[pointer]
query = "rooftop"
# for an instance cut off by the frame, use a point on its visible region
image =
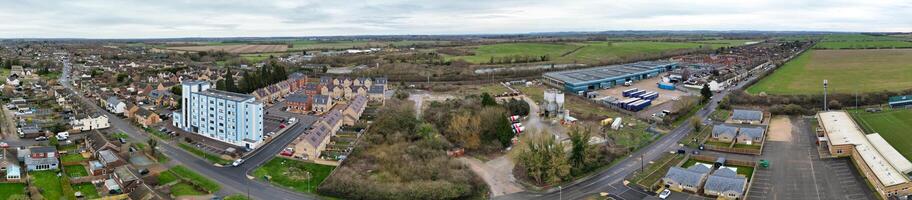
(583, 76)
(841, 130)
(754, 115)
(226, 95)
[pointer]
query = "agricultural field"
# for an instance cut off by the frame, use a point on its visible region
(893, 126)
(235, 48)
(311, 44)
(859, 41)
(586, 52)
(848, 71)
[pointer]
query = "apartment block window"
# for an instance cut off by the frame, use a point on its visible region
(838, 151)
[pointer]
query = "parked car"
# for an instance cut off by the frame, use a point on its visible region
(41, 138)
(237, 162)
(665, 193)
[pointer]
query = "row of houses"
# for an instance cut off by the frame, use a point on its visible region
(720, 181)
(741, 135)
(139, 114)
(314, 141)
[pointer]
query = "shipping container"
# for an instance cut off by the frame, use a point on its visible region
(627, 93)
(666, 86)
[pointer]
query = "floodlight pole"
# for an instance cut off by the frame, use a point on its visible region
(825, 108)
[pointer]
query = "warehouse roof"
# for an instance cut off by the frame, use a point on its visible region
(597, 74)
(900, 99)
(841, 130)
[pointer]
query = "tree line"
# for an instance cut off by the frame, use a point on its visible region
(269, 74)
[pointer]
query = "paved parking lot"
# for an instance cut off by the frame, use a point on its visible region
(797, 172)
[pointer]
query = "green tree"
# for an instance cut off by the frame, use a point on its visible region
(229, 82)
(543, 160)
(152, 144)
(583, 156)
(707, 94)
(487, 100)
(53, 141)
(177, 90)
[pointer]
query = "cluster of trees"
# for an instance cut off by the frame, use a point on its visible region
(519, 59)
(402, 158)
(269, 74)
(476, 123)
(542, 159)
(8, 63)
(808, 103)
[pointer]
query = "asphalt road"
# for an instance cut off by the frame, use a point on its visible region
(611, 180)
(234, 180)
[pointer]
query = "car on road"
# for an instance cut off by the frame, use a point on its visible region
(41, 138)
(237, 162)
(664, 194)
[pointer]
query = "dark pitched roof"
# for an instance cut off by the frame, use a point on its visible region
(724, 130)
(320, 99)
(301, 98)
(375, 89)
(752, 115)
(752, 132)
(724, 180)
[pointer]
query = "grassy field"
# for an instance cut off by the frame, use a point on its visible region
(297, 175)
(586, 52)
(167, 177)
(859, 41)
(76, 170)
(49, 184)
(311, 44)
(185, 189)
(257, 57)
(88, 190)
(893, 126)
(656, 170)
(195, 178)
(848, 71)
(10, 189)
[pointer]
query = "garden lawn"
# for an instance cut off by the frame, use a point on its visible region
(185, 189)
(10, 189)
(88, 190)
(195, 178)
(205, 155)
(893, 126)
(167, 177)
(280, 171)
(76, 170)
(847, 71)
(72, 157)
(49, 184)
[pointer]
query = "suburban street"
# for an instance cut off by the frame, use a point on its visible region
(612, 179)
(234, 180)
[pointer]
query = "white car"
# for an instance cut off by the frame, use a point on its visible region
(664, 194)
(237, 162)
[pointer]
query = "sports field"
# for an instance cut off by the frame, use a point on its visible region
(587, 52)
(848, 71)
(893, 126)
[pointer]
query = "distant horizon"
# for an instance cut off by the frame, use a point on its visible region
(569, 32)
(136, 19)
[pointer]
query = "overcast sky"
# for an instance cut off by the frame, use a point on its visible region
(263, 18)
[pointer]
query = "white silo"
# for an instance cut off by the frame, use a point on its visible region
(550, 104)
(559, 100)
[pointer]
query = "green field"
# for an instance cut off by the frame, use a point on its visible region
(893, 126)
(257, 57)
(311, 44)
(586, 52)
(195, 178)
(297, 175)
(848, 71)
(10, 189)
(859, 41)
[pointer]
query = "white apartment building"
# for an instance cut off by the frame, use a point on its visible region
(225, 116)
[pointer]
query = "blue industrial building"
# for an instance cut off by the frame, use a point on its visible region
(901, 101)
(604, 77)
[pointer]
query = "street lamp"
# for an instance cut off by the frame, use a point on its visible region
(560, 192)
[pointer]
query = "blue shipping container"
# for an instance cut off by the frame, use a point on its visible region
(666, 86)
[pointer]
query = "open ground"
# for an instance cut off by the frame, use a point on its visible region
(240, 48)
(848, 71)
(586, 52)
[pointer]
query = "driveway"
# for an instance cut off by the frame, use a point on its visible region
(497, 173)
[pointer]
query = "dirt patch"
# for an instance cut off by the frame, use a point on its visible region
(650, 84)
(780, 129)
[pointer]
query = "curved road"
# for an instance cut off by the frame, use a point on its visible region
(234, 180)
(612, 179)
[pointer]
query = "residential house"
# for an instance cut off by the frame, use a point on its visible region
(690, 179)
(126, 179)
(724, 133)
(115, 105)
(30, 131)
(96, 142)
(96, 168)
(746, 116)
(298, 103)
(42, 158)
(146, 118)
(109, 159)
(88, 123)
(375, 93)
(130, 112)
(13, 171)
(322, 103)
(750, 135)
(725, 183)
(312, 142)
(353, 111)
